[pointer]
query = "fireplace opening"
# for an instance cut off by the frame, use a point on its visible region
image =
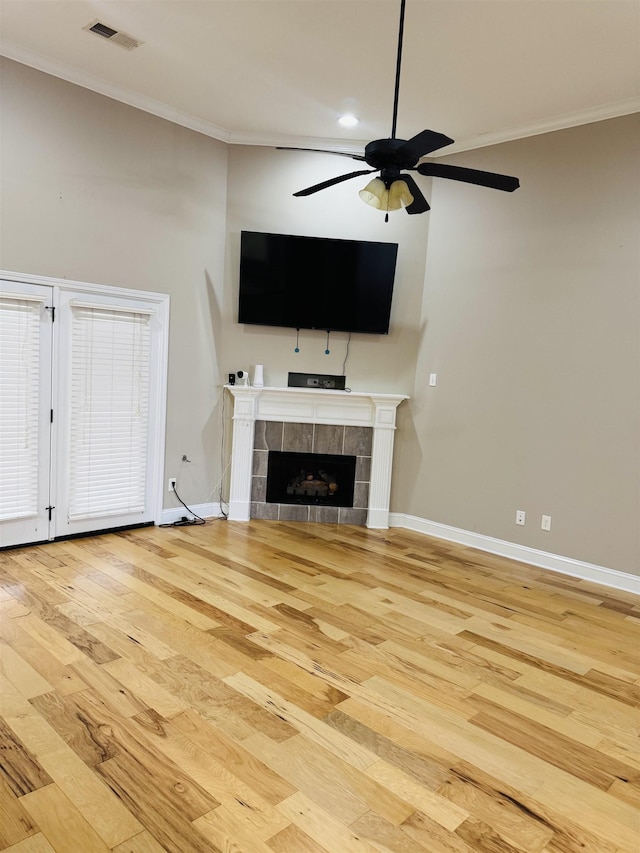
(310, 478)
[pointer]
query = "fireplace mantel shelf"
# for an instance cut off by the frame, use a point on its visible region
(239, 390)
(318, 406)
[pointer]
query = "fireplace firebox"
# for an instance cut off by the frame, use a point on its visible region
(310, 479)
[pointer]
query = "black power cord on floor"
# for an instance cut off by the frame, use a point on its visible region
(184, 521)
(223, 503)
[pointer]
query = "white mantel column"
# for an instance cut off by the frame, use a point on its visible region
(244, 424)
(384, 427)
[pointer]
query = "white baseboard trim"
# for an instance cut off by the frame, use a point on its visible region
(203, 510)
(542, 559)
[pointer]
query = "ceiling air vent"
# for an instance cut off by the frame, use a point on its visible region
(116, 36)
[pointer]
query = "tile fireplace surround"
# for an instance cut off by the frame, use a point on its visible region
(376, 413)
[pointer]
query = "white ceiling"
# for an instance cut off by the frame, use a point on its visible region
(267, 72)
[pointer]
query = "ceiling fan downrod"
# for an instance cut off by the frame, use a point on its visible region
(398, 66)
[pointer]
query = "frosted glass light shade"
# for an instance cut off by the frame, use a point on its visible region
(377, 195)
(399, 195)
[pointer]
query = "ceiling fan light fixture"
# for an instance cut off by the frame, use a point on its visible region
(394, 158)
(375, 194)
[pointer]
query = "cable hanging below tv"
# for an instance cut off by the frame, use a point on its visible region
(316, 282)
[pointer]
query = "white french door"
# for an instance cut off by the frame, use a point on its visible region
(25, 411)
(81, 409)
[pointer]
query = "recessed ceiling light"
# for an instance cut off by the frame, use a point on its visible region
(348, 120)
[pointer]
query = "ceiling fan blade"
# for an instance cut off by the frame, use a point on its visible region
(419, 203)
(322, 151)
(470, 176)
(323, 186)
(424, 143)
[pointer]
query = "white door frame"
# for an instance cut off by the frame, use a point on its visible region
(158, 377)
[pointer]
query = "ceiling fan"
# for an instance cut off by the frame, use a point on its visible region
(393, 158)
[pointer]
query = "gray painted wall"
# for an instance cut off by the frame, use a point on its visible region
(525, 305)
(530, 318)
(97, 191)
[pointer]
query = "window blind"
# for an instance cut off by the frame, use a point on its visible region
(19, 395)
(110, 353)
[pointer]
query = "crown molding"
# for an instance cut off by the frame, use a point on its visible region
(339, 146)
(482, 140)
(132, 99)
(79, 77)
(547, 125)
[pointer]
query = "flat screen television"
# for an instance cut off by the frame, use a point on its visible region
(316, 282)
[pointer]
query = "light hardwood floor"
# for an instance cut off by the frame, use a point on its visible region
(305, 688)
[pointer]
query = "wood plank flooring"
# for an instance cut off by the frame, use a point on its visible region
(305, 688)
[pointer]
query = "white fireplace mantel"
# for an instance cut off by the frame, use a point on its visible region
(317, 406)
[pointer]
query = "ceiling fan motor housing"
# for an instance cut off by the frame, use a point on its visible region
(385, 154)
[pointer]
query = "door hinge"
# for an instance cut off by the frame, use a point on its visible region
(51, 417)
(51, 308)
(49, 508)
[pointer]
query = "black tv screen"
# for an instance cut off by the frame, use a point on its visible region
(316, 282)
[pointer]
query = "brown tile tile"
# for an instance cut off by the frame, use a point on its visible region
(260, 460)
(358, 440)
(298, 438)
(353, 516)
(267, 512)
(273, 435)
(361, 495)
(329, 438)
(294, 512)
(259, 439)
(324, 514)
(363, 469)
(258, 489)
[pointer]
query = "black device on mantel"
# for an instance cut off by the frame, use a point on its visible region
(316, 282)
(317, 380)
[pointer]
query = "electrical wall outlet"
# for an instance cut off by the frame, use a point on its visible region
(520, 515)
(546, 522)
(433, 379)
(172, 484)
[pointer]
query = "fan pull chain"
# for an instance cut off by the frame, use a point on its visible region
(327, 351)
(297, 349)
